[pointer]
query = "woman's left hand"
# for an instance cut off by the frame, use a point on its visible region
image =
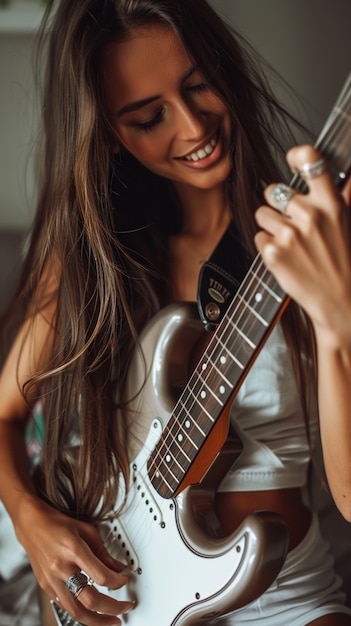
(308, 248)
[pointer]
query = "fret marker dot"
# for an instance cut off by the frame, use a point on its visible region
(222, 389)
(258, 297)
(203, 394)
(168, 458)
(187, 424)
(180, 437)
(223, 359)
(204, 365)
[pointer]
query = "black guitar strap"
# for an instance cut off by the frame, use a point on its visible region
(220, 278)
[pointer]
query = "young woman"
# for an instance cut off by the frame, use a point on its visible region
(159, 132)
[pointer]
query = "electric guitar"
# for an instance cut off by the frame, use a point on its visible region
(183, 569)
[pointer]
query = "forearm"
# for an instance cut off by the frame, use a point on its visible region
(334, 393)
(16, 486)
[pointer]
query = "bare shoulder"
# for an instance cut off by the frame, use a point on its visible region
(32, 346)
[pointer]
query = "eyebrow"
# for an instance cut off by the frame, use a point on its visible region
(139, 104)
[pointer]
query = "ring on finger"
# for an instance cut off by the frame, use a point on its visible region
(280, 196)
(76, 583)
(312, 170)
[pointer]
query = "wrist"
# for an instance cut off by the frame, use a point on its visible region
(24, 513)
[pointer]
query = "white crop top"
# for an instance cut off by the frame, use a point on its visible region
(268, 417)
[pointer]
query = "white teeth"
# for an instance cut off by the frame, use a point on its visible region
(203, 152)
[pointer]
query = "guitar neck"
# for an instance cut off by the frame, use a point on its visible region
(219, 373)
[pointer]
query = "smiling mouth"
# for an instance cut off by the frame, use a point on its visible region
(204, 152)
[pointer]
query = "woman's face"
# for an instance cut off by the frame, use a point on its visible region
(162, 110)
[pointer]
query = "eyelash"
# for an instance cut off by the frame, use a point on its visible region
(198, 87)
(147, 126)
(157, 119)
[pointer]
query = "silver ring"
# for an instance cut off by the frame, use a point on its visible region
(311, 170)
(280, 196)
(76, 583)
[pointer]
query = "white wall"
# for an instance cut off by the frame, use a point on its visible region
(307, 41)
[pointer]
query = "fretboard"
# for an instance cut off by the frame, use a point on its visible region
(221, 369)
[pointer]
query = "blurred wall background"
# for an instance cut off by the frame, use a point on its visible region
(307, 41)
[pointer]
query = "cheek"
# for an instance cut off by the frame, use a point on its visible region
(144, 146)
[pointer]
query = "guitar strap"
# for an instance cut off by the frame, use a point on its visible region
(220, 278)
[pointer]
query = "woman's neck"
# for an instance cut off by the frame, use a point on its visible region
(206, 216)
(204, 211)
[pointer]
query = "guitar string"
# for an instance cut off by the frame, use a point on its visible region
(333, 130)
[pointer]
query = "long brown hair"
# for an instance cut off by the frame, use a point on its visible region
(89, 219)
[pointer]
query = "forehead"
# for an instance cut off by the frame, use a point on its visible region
(143, 64)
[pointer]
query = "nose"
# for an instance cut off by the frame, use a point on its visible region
(189, 122)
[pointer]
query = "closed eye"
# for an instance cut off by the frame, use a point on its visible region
(197, 87)
(150, 124)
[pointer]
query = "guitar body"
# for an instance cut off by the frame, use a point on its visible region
(183, 570)
(182, 567)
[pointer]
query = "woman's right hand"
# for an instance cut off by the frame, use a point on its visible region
(58, 547)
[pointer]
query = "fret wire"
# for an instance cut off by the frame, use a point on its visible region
(198, 403)
(234, 306)
(173, 476)
(230, 350)
(194, 423)
(174, 439)
(160, 475)
(185, 432)
(232, 356)
(270, 291)
(168, 446)
(256, 288)
(163, 463)
(219, 372)
(208, 386)
(175, 460)
(259, 317)
(244, 336)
